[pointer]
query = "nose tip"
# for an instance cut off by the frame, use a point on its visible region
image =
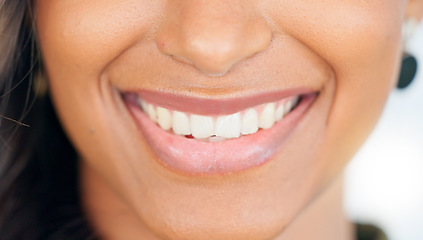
(212, 37)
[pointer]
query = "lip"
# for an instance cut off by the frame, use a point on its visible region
(195, 157)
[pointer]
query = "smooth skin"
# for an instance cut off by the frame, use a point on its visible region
(347, 50)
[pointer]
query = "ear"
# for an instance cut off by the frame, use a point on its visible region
(415, 9)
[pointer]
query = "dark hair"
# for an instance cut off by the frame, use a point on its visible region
(39, 196)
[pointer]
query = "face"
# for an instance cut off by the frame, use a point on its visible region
(205, 65)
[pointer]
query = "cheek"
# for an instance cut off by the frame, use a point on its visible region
(353, 38)
(365, 56)
(78, 40)
(361, 42)
(87, 35)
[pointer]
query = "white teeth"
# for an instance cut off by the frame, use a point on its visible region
(180, 123)
(144, 105)
(229, 126)
(295, 101)
(280, 112)
(151, 112)
(220, 128)
(201, 126)
(267, 116)
(164, 119)
(250, 122)
(290, 104)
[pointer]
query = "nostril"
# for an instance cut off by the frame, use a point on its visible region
(213, 57)
(216, 55)
(212, 38)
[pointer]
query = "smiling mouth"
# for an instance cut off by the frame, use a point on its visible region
(235, 136)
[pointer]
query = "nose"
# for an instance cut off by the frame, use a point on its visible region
(212, 35)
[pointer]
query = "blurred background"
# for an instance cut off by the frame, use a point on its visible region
(384, 182)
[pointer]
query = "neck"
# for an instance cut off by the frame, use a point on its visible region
(323, 218)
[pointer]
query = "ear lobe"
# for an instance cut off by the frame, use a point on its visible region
(415, 9)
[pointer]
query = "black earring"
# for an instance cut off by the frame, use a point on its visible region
(409, 62)
(407, 72)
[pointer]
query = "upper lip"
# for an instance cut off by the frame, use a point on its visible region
(218, 106)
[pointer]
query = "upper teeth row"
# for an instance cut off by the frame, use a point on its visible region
(217, 128)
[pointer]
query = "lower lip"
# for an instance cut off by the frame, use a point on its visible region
(191, 156)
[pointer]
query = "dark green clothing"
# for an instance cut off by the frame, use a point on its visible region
(369, 232)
